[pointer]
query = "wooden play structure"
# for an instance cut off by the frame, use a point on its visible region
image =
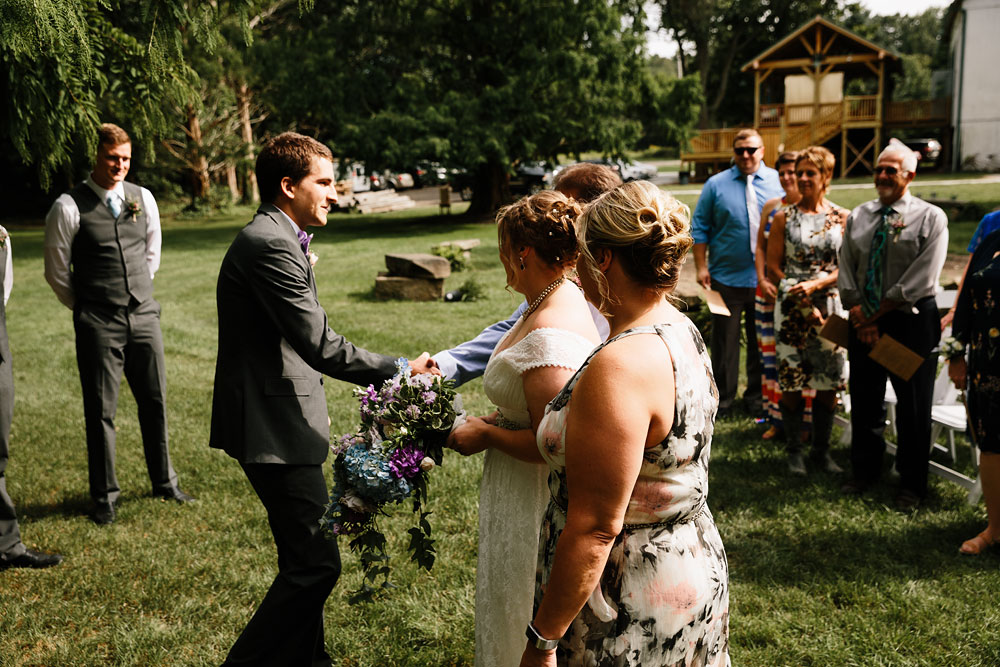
(799, 100)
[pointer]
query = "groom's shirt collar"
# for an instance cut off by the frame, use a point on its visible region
(101, 193)
(295, 228)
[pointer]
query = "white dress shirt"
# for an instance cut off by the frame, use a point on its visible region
(62, 224)
(8, 270)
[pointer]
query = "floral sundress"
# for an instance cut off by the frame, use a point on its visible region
(663, 598)
(806, 361)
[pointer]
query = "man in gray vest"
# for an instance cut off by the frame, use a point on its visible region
(102, 248)
(13, 553)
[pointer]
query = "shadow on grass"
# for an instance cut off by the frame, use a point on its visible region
(75, 505)
(784, 531)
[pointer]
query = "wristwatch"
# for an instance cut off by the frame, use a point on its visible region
(538, 641)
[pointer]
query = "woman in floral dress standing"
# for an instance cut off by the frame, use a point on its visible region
(976, 332)
(806, 266)
(631, 566)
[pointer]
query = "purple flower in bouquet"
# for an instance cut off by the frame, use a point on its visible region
(405, 461)
(429, 397)
(411, 412)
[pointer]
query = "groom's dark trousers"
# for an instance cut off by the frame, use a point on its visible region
(269, 413)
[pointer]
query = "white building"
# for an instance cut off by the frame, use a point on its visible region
(973, 27)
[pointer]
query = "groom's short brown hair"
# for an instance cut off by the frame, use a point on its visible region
(288, 154)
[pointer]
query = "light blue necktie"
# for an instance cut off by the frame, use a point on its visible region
(114, 205)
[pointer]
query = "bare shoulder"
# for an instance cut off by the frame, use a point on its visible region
(567, 309)
(637, 363)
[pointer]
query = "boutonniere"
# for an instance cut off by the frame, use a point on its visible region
(3, 237)
(896, 225)
(133, 208)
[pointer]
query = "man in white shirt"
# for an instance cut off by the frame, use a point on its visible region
(102, 249)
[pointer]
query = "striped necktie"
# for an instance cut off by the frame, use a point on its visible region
(871, 294)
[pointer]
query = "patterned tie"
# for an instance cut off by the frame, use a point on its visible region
(871, 294)
(753, 212)
(304, 240)
(114, 205)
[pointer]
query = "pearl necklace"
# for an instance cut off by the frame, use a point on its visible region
(541, 297)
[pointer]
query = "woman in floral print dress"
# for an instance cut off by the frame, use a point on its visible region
(632, 570)
(806, 265)
(976, 328)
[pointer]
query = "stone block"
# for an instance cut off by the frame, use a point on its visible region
(418, 265)
(463, 244)
(408, 289)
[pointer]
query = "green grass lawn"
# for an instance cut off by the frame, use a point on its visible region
(816, 579)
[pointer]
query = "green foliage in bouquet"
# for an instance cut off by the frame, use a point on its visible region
(400, 440)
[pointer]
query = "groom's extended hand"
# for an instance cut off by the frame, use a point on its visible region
(424, 364)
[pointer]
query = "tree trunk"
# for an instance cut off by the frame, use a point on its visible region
(491, 190)
(233, 182)
(201, 184)
(251, 195)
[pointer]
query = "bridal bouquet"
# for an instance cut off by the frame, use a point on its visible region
(403, 428)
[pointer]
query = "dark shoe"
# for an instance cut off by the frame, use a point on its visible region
(796, 465)
(174, 494)
(906, 501)
(32, 559)
(103, 514)
(853, 487)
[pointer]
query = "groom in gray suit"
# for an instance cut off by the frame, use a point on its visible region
(269, 408)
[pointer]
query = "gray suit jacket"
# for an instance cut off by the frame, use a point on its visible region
(274, 343)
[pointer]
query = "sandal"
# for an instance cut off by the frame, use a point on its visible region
(772, 433)
(977, 545)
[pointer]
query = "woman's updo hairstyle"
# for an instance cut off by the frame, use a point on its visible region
(543, 221)
(820, 158)
(647, 230)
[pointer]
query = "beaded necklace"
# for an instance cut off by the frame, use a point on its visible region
(541, 297)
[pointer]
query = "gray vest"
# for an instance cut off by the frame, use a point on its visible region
(109, 255)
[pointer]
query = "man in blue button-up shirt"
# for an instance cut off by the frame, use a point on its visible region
(725, 229)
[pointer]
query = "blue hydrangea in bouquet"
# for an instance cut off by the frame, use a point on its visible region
(401, 437)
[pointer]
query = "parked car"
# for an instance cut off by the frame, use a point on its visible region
(626, 169)
(397, 180)
(461, 181)
(928, 150)
(533, 175)
(429, 174)
(355, 174)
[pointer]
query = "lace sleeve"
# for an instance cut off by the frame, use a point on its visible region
(549, 347)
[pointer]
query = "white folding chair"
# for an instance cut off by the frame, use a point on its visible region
(947, 413)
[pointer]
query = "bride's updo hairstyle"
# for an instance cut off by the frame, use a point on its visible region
(647, 230)
(545, 222)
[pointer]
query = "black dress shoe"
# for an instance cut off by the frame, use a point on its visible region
(853, 487)
(32, 559)
(174, 494)
(103, 514)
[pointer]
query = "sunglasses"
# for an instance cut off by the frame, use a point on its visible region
(889, 171)
(746, 150)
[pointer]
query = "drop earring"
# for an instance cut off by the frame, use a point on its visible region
(522, 263)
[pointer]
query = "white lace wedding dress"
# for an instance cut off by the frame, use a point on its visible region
(513, 497)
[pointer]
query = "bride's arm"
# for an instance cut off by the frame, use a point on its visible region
(540, 386)
(477, 435)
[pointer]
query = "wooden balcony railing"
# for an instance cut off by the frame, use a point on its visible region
(919, 112)
(860, 108)
(794, 127)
